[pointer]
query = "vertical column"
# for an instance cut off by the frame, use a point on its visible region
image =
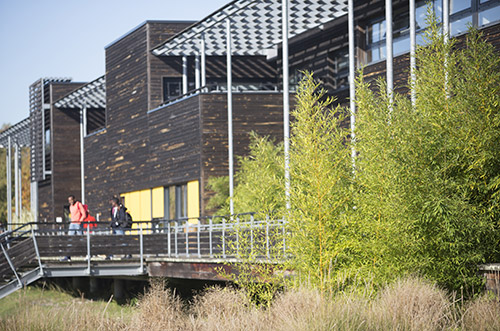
(230, 114)
(286, 98)
(83, 110)
(203, 61)
(413, 42)
(9, 185)
(34, 200)
(197, 71)
(446, 34)
(184, 75)
(16, 181)
(388, 48)
(352, 88)
(20, 174)
(446, 19)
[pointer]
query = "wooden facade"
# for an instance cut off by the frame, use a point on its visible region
(62, 154)
(148, 144)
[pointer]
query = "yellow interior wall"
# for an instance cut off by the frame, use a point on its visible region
(158, 201)
(145, 205)
(193, 200)
(133, 204)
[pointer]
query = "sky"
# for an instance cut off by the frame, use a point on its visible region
(66, 38)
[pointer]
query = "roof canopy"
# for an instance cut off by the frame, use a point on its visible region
(92, 95)
(19, 133)
(255, 24)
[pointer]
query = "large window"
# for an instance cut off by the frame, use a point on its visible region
(478, 13)
(175, 203)
(376, 30)
(463, 13)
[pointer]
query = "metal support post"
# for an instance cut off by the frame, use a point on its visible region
(9, 185)
(169, 240)
(82, 151)
(175, 238)
(446, 19)
(88, 250)
(286, 101)
(198, 240)
(237, 230)
(20, 175)
(283, 232)
(230, 115)
(16, 181)
(186, 231)
(389, 52)
(413, 42)
(203, 61)
(224, 238)
(352, 88)
(197, 71)
(36, 250)
(141, 254)
(268, 252)
(251, 233)
(210, 230)
(446, 33)
(184, 75)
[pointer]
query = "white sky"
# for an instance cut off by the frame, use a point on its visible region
(66, 38)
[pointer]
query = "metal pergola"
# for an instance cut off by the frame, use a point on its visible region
(255, 27)
(250, 27)
(91, 95)
(18, 135)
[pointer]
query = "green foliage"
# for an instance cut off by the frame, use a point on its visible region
(256, 256)
(428, 174)
(260, 180)
(219, 200)
(258, 183)
(323, 238)
(424, 197)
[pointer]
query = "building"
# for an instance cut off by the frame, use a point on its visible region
(162, 129)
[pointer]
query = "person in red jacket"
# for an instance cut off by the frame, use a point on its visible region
(78, 215)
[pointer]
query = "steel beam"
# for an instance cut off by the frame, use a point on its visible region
(184, 75)
(203, 61)
(83, 110)
(413, 42)
(9, 184)
(16, 181)
(286, 99)
(352, 87)
(230, 115)
(388, 48)
(197, 71)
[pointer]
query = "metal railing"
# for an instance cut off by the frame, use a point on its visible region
(217, 237)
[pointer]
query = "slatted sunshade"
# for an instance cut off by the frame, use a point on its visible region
(92, 95)
(255, 26)
(19, 133)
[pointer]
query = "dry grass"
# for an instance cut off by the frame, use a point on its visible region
(409, 304)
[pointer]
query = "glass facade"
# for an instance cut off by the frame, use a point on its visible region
(463, 13)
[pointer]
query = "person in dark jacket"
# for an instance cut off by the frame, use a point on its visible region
(118, 221)
(118, 218)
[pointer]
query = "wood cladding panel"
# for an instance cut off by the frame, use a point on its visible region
(259, 112)
(174, 150)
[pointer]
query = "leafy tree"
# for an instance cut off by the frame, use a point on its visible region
(428, 175)
(322, 241)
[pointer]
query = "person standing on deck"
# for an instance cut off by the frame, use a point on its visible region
(78, 215)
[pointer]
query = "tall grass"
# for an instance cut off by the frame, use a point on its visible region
(407, 304)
